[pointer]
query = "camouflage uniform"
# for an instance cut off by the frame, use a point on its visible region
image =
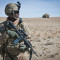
(14, 50)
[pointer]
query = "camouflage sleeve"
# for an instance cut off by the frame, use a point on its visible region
(3, 34)
(1, 26)
(26, 29)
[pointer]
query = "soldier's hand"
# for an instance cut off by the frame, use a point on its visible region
(22, 47)
(12, 33)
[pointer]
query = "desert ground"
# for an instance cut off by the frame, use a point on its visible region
(45, 37)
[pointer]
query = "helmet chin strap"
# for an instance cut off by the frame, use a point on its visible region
(11, 18)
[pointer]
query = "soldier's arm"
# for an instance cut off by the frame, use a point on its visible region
(3, 34)
(26, 29)
(1, 27)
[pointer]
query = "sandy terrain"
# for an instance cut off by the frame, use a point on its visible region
(45, 38)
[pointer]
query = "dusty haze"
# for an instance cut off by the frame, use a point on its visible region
(45, 38)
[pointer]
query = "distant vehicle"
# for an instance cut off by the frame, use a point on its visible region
(45, 16)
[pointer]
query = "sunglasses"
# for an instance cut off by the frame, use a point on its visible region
(16, 12)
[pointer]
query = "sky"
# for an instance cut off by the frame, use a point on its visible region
(33, 8)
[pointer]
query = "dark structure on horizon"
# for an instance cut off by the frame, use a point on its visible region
(45, 15)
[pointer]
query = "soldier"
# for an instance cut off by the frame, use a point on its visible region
(16, 51)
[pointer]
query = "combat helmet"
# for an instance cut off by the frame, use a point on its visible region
(11, 7)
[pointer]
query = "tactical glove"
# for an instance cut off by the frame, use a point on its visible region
(22, 47)
(12, 33)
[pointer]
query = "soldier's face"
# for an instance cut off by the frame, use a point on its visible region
(16, 14)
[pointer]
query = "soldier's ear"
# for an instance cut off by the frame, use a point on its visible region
(12, 13)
